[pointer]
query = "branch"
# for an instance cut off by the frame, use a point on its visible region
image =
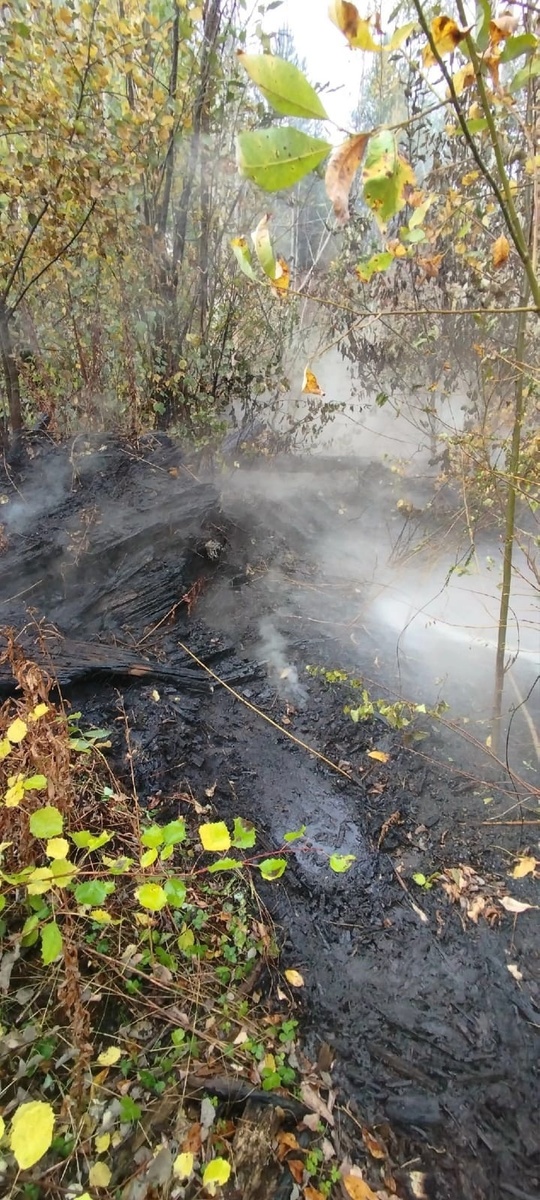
(23, 250)
(56, 258)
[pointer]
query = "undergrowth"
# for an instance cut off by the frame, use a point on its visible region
(135, 975)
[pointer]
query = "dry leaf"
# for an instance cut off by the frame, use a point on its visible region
(356, 29)
(372, 1143)
(316, 1103)
(476, 908)
(446, 37)
(356, 1187)
(311, 1193)
(286, 1141)
(311, 1120)
(294, 978)
(310, 384)
(464, 78)
(340, 172)
(379, 755)
(514, 906)
(515, 972)
(524, 866)
(502, 27)
(296, 1167)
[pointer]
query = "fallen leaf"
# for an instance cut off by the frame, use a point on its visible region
(379, 755)
(372, 1143)
(524, 866)
(514, 906)
(356, 1187)
(286, 1141)
(296, 1167)
(515, 972)
(294, 978)
(500, 251)
(31, 1132)
(311, 1193)
(99, 1175)
(183, 1166)
(310, 384)
(192, 1142)
(316, 1103)
(475, 910)
(311, 1120)
(446, 37)
(17, 731)
(342, 167)
(215, 1174)
(102, 1143)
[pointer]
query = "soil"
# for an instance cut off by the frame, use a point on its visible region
(435, 1037)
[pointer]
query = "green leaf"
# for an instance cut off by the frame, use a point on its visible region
(283, 85)
(175, 891)
(85, 840)
(215, 836)
(215, 1174)
(46, 822)
(51, 943)
(35, 783)
(277, 158)
(129, 1111)
(385, 176)
(411, 237)
(341, 862)
(151, 896)
(373, 265)
(153, 836)
(242, 254)
(94, 892)
(272, 868)
(484, 15)
(174, 832)
(31, 1132)
(514, 47)
(244, 834)
(522, 77)
(148, 858)
(420, 879)
(225, 864)
(294, 834)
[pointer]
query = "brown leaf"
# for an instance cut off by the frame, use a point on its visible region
(502, 27)
(192, 1143)
(431, 266)
(357, 1188)
(311, 1193)
(340, 172)
(310, 384)
(316, 1103)
(446, 37)
(286, 1142)
(282, 278)
(500, 251)
(296, 1167)
(375, 1147)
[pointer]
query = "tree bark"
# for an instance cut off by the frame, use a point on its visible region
(11, 376)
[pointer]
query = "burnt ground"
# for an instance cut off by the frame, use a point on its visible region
(435, 1037)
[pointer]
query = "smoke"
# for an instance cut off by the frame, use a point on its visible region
(272, 650)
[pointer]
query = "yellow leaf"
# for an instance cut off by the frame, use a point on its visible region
(340, 172)
(109, 1057)
(2, 1127)
(99, 1175)
(356, 29)
(357, 1188)
(379, 755)
(38, 711)
(17, 730)
(215, 1175)
(101, 916)
(469, 177)
(500, 251)
(31, 1132)
(310, 384)
(5, 748)
(446, 37)
(463, 79)
(57, 848)
(524, 866)
(40, 881)
(282, 278)
(15, 791)
(215, 836)
(183, 1165)
(103, 1142)
(294, 978)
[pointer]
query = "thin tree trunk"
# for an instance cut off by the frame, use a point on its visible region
(11, 376)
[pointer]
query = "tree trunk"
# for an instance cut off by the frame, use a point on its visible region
(11, 376)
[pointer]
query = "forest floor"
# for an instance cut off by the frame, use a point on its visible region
(418, 1000)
